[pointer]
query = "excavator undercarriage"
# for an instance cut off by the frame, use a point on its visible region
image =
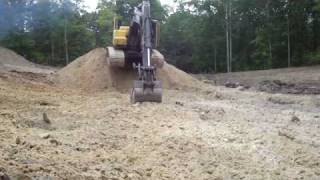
(146, 88)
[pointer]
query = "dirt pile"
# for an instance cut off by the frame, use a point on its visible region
(91, 72)
(12, 60)
(277, 86)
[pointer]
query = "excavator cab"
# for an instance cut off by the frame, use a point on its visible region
(119, 34)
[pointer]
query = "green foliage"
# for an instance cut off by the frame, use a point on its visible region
(313, 57)
(264, 32)
(105, 24)
(317, 5)
(173, 38)
(262, 54)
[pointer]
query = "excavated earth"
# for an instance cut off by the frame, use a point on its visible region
(303, 80)
(54, 126)
(91, 72)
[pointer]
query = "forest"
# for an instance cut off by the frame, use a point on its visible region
(198, 36)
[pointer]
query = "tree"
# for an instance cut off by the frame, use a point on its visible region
(228, 29)
(200, 36)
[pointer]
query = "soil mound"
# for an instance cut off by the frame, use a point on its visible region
(277, 86)
(92, 72)
(8, 58)
(14, 63)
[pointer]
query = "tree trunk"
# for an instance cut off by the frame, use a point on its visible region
(52, 51)
(315, 27)
(230, 37)
(269, 33)
(66, 42)
(288, 36)
(65, 36)
(270, 48)
(215, 59)
(227, 36)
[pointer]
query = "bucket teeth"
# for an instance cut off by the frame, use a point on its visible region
(140, 93)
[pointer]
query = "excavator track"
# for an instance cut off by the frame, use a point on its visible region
(116, 58)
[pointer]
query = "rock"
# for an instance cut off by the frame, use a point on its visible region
(232, 85)
(218, 95)
(44, 103)
(45, 135)
(22, 177)
(79, 149)
(210, 172)
(18, 140)
(295, 119)
(31, 146)
(243, 88)
(280, 100)
(286, 134)
(12, 153)
(97, 169)
(4, 176)
(55, 142)
(103, 171)
(85, 169)
(46, 119)
(204, 115)
(149, 169)
(179, 103)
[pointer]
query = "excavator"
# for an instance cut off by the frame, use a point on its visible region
(134, 47)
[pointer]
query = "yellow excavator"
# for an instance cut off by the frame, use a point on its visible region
(134, 47)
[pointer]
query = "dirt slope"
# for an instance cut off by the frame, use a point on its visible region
(91, 72)
(194, 135)
(11, 62)
(52, 133)
(302, 80)
(10, 58)
(300, 74)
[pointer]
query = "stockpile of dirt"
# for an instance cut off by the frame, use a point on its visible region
(296, 80)
(277, 86)
(14, 67)
(10, 59)
(92, 72)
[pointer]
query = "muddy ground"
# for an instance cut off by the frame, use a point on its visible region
(212, 132)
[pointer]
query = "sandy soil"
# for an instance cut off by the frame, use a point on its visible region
(48, 132)
(91, 72)
(206, 132)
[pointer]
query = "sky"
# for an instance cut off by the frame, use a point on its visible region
(92, 4)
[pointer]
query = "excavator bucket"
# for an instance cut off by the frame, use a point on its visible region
(142, 93)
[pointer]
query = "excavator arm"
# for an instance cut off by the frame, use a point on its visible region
(146, 88)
